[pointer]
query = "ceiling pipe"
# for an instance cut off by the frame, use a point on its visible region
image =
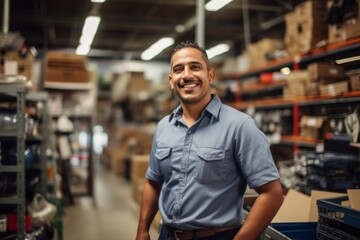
(200, 23)
(5, 28)
(246, 19)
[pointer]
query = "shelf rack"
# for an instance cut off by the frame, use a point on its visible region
(9, 91)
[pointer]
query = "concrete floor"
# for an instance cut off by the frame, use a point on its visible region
(111, 215)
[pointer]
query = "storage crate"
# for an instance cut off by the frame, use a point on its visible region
(336, 221)
(293, 231)
(288, 231)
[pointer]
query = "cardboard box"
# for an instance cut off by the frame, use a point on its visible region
(313, 127)
(348, 29)
(13, 63)
(139, 166)
(67, 76)
(65, 60)
(138, 84)
(334, 89)
(310, 10)
(298, 207)
(325, 70)
(336, 33)
(117, 159)
(310, 24)
(258, 52)
(355, 81)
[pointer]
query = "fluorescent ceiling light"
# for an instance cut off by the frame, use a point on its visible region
(215, 5)
(157, 48)
(89, 30)
(217, 50)
(98, 1)
(347, 60)
(82, 50)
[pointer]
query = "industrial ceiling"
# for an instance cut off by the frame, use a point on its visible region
(128, 27)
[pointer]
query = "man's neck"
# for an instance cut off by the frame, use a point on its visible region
(192, 112)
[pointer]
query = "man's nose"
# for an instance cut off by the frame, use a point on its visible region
(187, 72)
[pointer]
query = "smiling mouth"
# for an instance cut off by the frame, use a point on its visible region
(189, 84)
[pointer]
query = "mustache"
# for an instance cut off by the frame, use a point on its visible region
(188, 81)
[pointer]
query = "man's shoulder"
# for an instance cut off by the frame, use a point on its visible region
(232, 112)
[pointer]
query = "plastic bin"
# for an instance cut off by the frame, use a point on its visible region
(293, 231)
(336, 221)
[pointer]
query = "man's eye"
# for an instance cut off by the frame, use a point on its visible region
(195, 67)
(177, 70)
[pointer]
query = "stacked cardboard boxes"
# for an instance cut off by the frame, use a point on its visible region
(260, 51)
(329, 78)
(297, 84)
(313, 127)
(355, 81)
(346, 29)
(16, 63)
(305, 27)
(63, 67)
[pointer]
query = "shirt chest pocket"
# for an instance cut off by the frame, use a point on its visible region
(163, 155)
(209, 166)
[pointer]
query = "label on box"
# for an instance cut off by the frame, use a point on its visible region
(311, 122)
(10, 67)
(331, 90)
(333, 71)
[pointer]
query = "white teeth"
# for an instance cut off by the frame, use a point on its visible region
(190, 85)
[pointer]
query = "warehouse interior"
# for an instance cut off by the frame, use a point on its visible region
(78, 110)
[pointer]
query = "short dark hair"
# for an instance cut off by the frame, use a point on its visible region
(192, 44)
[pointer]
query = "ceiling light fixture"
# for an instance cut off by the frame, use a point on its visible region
(97, 1)
(87, 35)
(215, 5)
(217, 50)
(82, 49)
(157, 48)
(347, 60)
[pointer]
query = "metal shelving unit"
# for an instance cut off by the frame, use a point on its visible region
(16, 92)
(42, 97)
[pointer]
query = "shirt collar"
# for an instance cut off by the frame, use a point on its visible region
(213, 108)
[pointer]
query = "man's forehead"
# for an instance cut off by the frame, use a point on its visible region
(186, 55)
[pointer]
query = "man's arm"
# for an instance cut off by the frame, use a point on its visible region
(148, 209)
(262, 212)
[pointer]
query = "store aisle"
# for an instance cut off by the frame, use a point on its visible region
(111, 215)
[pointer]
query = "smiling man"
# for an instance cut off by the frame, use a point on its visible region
(204, 155)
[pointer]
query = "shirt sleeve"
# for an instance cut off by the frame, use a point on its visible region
(153, 172)
(254, 155)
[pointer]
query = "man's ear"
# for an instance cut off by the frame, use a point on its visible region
(171, 84)
(212, 75)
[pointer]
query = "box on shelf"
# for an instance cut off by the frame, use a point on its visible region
(63, 67)
(65, 60)
(67, 76)
(14, 63)
(313, 127)
(259, 52)
(300, 85)
(291, 32)
(325, 70)
(355, 81)
(305, 27)
(347, 29)
(334, 89)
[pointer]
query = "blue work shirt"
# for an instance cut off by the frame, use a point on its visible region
(205, 168)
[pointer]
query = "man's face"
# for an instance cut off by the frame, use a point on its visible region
(190, 77)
